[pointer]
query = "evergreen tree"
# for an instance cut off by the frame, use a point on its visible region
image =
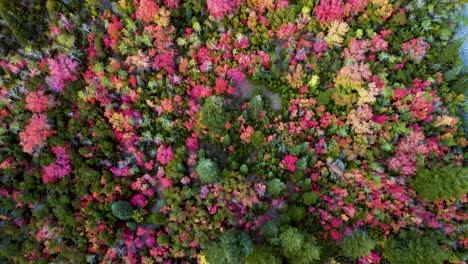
(412, 247)
(207, 171)
(232, 248)
(255, 106)
(275, 187)
(356, 245)
(444, 182)
(213, 114)
(297, 247)
(25, 19)
(262, 255)
(122, 210)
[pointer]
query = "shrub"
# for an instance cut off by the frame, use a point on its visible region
(299, 149)
(207, 171)
(227, 140)
(122, 210)
(356, 245)
(164, 239)
(444, 182)
(301, 164)
(175, 169)
(157, 218)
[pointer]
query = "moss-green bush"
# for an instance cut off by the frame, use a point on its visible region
(257, 138)
(297, 213)
(301, 164)
(227, 140)
(244, 169)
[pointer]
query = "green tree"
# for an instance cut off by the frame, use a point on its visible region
(207, 171)
(309, 198)
(25, 19)
(441, 182)
(270, 232)
(291, 241)
(213, 114)
(357, 244)
(263, 255)
(255, 106)
(412, 247)
(122, 210)
(297, 247)
(232, 248)
(275, 187)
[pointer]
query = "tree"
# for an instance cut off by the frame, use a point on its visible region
(255, 106)
(441, 182)
(297, 247)
(25, 19)
(213, 114)
(357, 244)
(275, 187)
(232, 248)
(208, 171)
(122, 210)
(412, 247)
(262, 255)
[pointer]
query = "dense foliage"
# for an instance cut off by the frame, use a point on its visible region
(412, 247)
(357, 244)
(232, 131)
(441, 182)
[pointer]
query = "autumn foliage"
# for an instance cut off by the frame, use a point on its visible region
(242, 131)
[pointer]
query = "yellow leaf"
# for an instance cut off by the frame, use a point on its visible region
(162, 18)
(337, 31)
(202, 259)
(344, 217)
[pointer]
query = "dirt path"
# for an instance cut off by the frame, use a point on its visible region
(274, 99)
(463, 32)
(245, 90)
